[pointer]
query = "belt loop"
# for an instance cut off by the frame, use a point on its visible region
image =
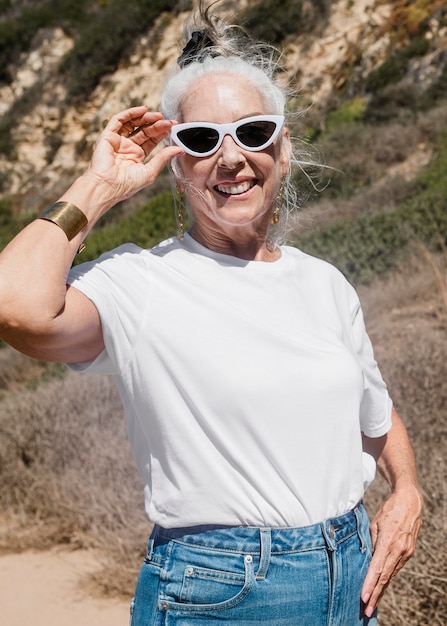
(266, 546)
(150, 550)
(358, 512)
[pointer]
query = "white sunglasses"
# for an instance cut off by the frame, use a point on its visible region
(200, 139)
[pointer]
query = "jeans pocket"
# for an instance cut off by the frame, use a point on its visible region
(209, 588)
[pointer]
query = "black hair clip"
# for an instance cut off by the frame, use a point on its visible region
(200, 40)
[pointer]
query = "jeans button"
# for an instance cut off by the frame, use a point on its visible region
(331, 532)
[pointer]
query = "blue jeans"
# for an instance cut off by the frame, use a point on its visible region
(246, 576)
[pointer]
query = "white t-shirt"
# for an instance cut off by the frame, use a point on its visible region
(246, 384)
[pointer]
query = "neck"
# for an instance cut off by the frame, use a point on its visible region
(248, 246)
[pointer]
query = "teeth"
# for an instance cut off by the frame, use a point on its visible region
(235, 189)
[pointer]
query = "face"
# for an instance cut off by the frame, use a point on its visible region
(232, 188)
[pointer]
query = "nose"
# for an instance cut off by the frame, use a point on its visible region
(231, 156)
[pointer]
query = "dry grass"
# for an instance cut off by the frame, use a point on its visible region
(67, 475)
(407, 323)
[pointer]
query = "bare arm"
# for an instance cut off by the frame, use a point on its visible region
(39, 315)
(396, 525)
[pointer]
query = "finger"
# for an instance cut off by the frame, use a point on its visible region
(149, 136)
(384, 566)
(126, 130)
(388, 559)
(152, 130)
(371, 602)
(125, 122)
(160, 160)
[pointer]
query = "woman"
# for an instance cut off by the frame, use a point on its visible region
(244, 368)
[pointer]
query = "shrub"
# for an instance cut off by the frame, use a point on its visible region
(361, 247)
(18, 29)
(107, 40)
(437, 92)
(371, 245)
(146, 226)
(401, 101)
(273, 20)
(348, 113)
(412, 18)
(394, 67)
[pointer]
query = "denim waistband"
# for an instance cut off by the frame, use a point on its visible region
(283, 539)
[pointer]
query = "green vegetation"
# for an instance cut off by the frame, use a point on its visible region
(437, 92)
(412, 19)
(348, 113)
(395, 66)
(18, 26)
(273, 20)
(145, 227)
(104, 34)
(390, 97)
(107, 40)
(371, 245)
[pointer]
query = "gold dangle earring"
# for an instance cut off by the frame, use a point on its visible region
(179, 215)
(278, 205)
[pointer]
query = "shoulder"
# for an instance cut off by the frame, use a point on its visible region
(323, 276)
(127, 259)
(314, 264)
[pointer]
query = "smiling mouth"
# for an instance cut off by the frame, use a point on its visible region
(236, 189)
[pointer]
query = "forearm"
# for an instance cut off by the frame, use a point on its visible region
(394, 455)
(35, 265)
(397, 462)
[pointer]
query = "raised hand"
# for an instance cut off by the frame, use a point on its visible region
(120, 160)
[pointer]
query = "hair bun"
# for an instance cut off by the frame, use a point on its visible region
(194, 49)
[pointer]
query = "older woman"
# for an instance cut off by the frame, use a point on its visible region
(252, 396)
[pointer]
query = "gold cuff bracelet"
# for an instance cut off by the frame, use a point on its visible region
(67, 216)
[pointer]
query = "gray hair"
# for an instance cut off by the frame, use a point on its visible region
(273, 95)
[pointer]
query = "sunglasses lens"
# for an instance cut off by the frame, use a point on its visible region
(255, 134)
(199, 140)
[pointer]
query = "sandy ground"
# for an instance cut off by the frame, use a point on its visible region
(48, 589)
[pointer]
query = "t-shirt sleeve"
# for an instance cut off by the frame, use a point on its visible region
(376, 406)
(109, 282)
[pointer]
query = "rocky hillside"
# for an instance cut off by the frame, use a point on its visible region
(334, 52)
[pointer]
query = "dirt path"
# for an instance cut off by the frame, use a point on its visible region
(45, 589)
